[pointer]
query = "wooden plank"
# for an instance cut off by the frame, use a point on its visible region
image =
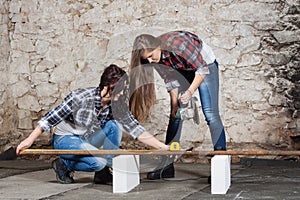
(159, 152)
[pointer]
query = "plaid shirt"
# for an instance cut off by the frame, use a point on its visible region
(78, 113)
(183, 50)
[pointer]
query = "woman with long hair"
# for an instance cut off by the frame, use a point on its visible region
(188, 55)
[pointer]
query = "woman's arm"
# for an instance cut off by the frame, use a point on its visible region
(150, 140)
(174, 101)
(187, 95)
(30, 139)
(196, 82)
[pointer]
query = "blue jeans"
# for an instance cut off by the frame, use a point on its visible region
(109, 136)
(209, 97)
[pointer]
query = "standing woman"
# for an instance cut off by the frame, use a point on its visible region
(189, 56)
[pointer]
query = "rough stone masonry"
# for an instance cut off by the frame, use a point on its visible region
(49, 48)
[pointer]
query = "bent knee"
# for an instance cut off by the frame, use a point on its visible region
(98, 164)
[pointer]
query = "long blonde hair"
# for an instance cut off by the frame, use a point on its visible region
(142, 88)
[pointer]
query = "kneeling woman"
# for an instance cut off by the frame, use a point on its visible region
(88, 119)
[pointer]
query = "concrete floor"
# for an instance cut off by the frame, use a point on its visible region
(250, 179)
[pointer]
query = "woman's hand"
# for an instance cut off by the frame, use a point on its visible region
(186, 96)
(29, 140)
(150, 140)
(24, 145)
(165, 147)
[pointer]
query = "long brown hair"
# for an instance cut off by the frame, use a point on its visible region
(142, 88)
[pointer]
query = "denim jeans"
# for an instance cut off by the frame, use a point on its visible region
(109, 137)
(209, 97)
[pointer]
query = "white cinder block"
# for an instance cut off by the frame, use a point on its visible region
(220, 174)
(126, 175)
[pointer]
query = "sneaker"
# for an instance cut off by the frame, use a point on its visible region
(62, 174)
(103, 176)
(166, 172)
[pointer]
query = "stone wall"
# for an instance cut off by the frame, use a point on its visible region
(6, 118)
(49, 48)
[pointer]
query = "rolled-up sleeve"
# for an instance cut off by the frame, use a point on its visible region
(131, 126)
(202, 70)
(56, 115)
(172, 85)
(44, 124)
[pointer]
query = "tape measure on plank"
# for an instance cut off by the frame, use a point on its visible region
(174, 146)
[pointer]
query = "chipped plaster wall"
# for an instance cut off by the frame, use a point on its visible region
(7, 120)
(49, 48)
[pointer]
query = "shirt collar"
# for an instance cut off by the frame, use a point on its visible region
(164, 55)
(97, 99)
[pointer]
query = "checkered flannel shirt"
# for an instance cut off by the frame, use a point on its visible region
(81, 108)
(185, 51)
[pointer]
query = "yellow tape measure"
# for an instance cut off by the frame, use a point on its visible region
(174, 146)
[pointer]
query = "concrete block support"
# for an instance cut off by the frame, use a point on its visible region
(220, 174)
(126, 175)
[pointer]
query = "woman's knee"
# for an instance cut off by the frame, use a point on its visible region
(97, 164)
(212, 116)
(111, 124)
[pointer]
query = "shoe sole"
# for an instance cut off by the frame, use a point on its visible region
(158, 178)
(102, 183)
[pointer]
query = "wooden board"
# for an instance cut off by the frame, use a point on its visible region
(159, 152)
